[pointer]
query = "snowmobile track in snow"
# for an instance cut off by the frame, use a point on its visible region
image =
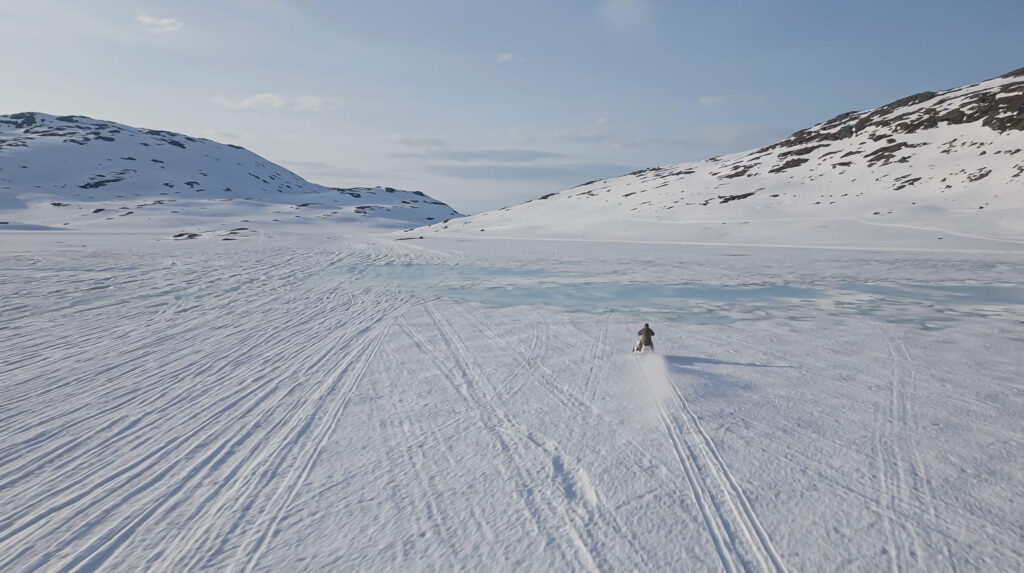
(903, 479)
(469, 380)
(252, 441)
(596, 513)
(739, 538)
(322, 404)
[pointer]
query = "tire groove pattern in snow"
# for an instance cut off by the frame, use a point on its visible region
(867, 493)
(598, 514)
(273, 452)
(714, 528)
(753, 522)
(108, 486)
(506, 432)
(152, 463)
(567, 400)
(576, 406)
(437, 512)
(279, 452)
(95, 508)
(889, 469)
(358, 365)
(905, 488)
(923, 484)
(460, 379)
(162, 408)
(737, 534)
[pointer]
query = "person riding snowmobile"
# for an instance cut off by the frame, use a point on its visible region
(645, 341)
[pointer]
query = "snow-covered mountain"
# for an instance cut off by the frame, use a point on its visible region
(77, 172)
(927, 166)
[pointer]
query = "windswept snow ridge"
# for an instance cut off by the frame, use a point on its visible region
(931, 167)
(80, 173)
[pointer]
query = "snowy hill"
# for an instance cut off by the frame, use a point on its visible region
(77, 172)
(927, 166)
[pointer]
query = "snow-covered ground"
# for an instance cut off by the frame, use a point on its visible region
(323, 402)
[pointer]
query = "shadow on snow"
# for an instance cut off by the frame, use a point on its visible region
(682, 362)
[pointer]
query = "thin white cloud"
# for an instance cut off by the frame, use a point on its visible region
(624, 14)
(158, 25)
(277, 101)
(414, 141)
(685, 144)
(310, 103)
(711, 140)
(718, 101)
(562, 175)
(505, 57)
(431, 148)
(321, 170)
(482, 155)
(218, 135)
(258, 101)
(598, 131)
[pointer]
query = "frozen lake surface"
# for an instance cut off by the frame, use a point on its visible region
(711, 283)
(313, 402)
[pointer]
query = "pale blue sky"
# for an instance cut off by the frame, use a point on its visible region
(487, 103)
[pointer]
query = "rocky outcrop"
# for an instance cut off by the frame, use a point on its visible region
(1000, 108)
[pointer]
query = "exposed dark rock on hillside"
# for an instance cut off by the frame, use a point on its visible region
(1000, 108)
(933, 158)
(93, 166)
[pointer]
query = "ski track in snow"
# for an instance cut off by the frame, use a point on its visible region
(267, 407)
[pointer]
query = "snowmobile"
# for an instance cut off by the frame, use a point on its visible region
(645, 343)
(641, 348)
